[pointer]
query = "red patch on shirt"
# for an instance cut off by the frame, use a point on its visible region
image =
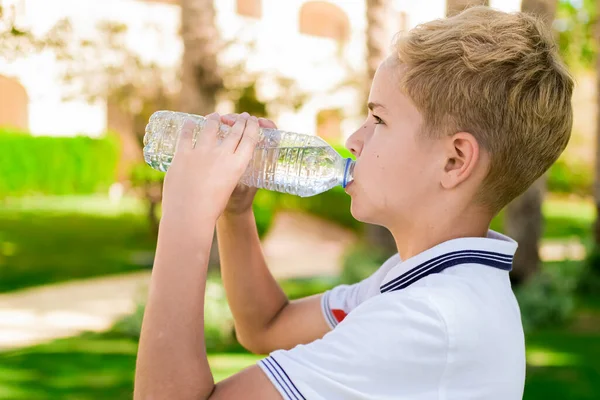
(339, 314)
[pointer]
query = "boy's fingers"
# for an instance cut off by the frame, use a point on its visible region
(186, 138)
(229, 119)
(249, 140)
(236, 132)
(210, 130)
(266, 123)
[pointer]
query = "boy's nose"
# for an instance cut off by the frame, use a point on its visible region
(354, 144)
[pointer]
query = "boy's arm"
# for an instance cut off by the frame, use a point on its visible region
(172, 362)
(264, 318)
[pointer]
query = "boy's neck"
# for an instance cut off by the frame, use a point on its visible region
(412, 240)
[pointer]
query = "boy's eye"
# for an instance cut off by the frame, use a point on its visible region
(377, 120)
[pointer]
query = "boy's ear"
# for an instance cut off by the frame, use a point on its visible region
(462, 157)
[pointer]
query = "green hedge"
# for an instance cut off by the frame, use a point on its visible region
(56, 165)
(333, 205)
(570, 177)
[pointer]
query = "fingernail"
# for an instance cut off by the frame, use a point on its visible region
(212, 115)
(253, 118)
(244, 115)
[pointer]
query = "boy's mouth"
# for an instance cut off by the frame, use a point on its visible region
(348, 186)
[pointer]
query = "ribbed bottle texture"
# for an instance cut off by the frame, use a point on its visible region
(286, 162)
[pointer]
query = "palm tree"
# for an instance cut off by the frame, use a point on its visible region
(378, 39)
(456, 6)
(523, 219)
(377, 35)
(201, 77)
(597, 177)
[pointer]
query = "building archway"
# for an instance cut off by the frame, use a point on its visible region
(324, 19)
(14, 104)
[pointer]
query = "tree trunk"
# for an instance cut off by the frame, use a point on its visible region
(454, 7)
(378, 35)
(597, 178)
(524, 223)
(378, 38)
(544, 9)
(201, 78)
(523, 218)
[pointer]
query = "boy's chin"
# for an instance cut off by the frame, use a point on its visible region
(361, 213)
(368, 214)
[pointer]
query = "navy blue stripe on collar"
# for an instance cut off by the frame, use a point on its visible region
(440, 263)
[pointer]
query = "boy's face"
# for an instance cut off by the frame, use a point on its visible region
(398, 169)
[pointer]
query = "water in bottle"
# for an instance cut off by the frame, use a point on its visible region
(303, 165)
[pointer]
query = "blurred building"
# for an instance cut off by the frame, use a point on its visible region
(318, 44)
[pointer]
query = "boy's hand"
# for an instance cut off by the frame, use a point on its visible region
(203, 176)
(242, 196)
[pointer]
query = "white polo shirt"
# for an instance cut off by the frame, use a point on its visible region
(443, 324)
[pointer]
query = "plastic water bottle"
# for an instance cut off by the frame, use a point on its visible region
(303, 165)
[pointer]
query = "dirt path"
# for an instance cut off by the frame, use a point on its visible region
(297, 246)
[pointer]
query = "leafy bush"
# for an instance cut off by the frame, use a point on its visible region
(333, 205)
(546, 300)
(56, 165)
(218, 325)
(264, 207)
(131, 325)
(142, 174)
(360, 262)
(298, 288)
(570, 177)
(589, 282)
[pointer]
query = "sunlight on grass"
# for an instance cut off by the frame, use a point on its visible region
(568, 218)
(48, 247)
(87, 367)
(9, 375)
(563, 207)
(225, 365)
(564, 218)
(92, 205)
(12, 392)
(549, 358)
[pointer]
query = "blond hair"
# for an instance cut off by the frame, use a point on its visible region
(499, 77)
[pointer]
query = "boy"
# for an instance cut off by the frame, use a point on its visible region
(465, 114)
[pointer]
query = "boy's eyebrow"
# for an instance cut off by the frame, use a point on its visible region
(372, 106)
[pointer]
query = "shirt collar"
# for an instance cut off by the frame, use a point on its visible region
(495, 250)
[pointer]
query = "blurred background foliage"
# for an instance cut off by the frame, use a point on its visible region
(75, 207)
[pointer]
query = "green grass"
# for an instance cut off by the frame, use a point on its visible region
(86, 367)
(46, 240)
(97, 205)
(561, 365)
(50, 241)
(53, 239)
